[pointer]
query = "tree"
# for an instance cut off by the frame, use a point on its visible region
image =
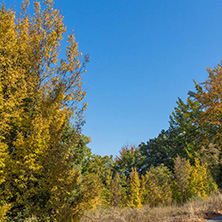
(157, 151)
(107, 193)
(183, 138)
(208, 95)
(39, 94)
(211, 156)
(134, 197)
(200, 181)
(116, 191)
(100, 170)
(187, 135)
(156, 186)
(182, 169)
(191, 181)
(130, 157)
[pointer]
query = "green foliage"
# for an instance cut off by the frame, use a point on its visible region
(187, 135)
(158, 151)
(130, 157)
(97, 164)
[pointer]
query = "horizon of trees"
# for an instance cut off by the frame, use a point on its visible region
(46, 169)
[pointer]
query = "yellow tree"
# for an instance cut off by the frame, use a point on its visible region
(156, 186)
(134, 197)
(39, 94)
(200, 180)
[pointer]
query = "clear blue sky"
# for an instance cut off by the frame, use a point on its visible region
(144, 55)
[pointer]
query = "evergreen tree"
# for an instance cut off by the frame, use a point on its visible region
(157, 151)
(187, 135)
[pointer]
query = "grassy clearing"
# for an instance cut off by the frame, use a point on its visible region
(197, 210)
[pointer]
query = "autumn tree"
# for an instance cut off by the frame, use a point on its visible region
(39, 94)
(191, 180)
(99, 168)
(134, 197)
(211, 155)
(182, 170)
(116, 191)
(208, 95)
(156, 186)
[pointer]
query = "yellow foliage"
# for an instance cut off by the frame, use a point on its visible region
(156, 186)
(4, 208)
(200, 180)
(39, 93)
(134, 197)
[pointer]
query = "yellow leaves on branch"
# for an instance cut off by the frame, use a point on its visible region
(209, 95)
(39, 93)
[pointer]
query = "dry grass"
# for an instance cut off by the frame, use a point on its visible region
(198, 210)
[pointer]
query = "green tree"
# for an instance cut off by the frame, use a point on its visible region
(130, 157)
(184, 137)
(188, 136)
(157, 151)
(101, 168)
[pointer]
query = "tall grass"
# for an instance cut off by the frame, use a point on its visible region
(195, 210)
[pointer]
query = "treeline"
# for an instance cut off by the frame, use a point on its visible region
(122, 183)
(181, 163)
(46, 169)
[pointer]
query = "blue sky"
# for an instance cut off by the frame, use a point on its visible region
(144, 54)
